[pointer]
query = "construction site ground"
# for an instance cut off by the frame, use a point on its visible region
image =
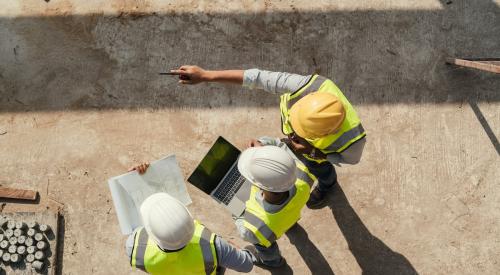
(81, 101)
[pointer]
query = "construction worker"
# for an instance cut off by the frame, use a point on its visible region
(281, 187)
(321, 125)
(171, 242)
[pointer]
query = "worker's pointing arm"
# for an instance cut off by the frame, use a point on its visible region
(189, 74)
(273, 82)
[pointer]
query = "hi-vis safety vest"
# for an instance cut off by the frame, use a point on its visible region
(350, 130)
(197, 257)
(268, 227)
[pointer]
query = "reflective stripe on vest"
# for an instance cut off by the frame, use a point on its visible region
(268, 227)
(141, 243)
(206, 250)
(197, 257)
(304, 175)
(345, 138)
(317, 160)
(261, 226)
(350, 130)
(313, 87)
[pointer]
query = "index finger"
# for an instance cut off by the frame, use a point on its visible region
(177, 72)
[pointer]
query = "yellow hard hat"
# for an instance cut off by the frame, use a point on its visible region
(317, 115)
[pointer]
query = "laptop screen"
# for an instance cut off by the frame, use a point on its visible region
(214, 165)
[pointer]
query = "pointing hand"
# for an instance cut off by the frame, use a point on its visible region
(189, 74)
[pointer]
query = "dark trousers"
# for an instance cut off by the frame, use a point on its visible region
(220, 270)
(270, 256)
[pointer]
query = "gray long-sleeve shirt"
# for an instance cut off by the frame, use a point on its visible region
(280, 83)
(228, 256)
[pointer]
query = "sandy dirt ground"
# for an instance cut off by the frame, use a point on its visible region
(81, 101)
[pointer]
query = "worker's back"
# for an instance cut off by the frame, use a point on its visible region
(268, 227)
(197, 257)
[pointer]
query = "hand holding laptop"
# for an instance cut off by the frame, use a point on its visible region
(254, 143)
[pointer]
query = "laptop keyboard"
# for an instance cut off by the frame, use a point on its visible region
(229, 186)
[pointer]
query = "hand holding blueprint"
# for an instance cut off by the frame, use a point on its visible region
(131, 189)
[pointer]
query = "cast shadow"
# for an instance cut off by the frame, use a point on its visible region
(484, 123)
(284, 270)
(372, 254)
(60, 244)
(313, 258)
(111, 61)
(10, 200)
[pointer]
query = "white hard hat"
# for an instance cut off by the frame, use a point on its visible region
(271, 168)
(167, 221)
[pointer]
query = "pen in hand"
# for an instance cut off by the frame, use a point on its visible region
(181, 77)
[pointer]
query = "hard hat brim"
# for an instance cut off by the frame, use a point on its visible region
(294, 121)
(148, 203)
(145, 208)
(244, 163)
(298, 127)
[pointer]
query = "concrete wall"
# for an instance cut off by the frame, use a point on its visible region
(81, 101)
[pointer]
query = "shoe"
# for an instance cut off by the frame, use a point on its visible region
(258, 261)
(317, 199)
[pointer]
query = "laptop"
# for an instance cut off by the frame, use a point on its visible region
(217, 175)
